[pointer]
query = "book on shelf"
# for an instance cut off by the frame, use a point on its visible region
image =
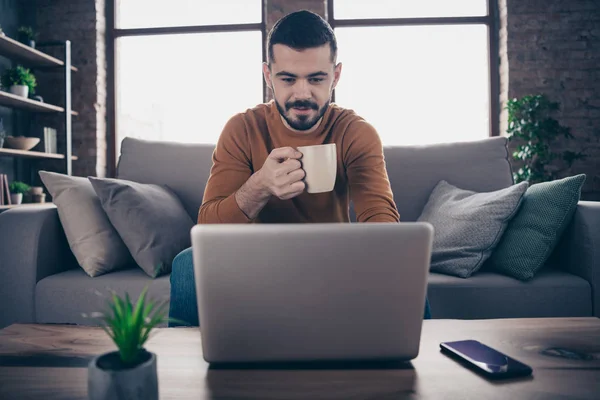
(4, 191)
(50, 140)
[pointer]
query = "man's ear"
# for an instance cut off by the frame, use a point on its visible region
(337, 72)
(267, 75)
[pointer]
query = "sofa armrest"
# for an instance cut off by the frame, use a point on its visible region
(579, 249)
(32, 246)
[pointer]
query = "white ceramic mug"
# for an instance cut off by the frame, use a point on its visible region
(320, 165)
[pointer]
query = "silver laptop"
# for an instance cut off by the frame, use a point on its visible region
(311, 292)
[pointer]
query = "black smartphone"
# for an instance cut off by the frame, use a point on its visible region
(492, 363)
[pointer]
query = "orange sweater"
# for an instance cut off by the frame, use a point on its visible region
(248, 138)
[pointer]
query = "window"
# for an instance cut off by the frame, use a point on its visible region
(180, 74)
(184, 88)
(161, 13)
(420, 77)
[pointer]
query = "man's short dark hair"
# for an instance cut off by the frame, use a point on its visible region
(302, 30)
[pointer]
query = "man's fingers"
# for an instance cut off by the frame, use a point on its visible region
(290, 165)
(284, 153)
(294, 190)
(295, 176)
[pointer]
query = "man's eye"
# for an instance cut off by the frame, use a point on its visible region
(288, 80)
(316, 80)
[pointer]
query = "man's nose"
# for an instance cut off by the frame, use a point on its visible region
(302, 89)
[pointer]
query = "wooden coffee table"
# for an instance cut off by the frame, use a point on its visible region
(50, 362)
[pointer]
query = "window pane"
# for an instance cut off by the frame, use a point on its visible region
(185, 87)
(430, 85)
(370, 9)
(160, 13)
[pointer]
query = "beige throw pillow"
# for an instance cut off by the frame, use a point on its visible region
(95, 243)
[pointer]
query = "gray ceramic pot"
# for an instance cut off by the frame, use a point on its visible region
(140, 382)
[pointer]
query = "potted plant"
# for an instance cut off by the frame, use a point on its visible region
(531, 124)
(129, 372)
(17, 190)
(20, 81)
(27, 36)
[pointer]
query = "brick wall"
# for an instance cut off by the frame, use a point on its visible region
(553, 47)
(83, 23)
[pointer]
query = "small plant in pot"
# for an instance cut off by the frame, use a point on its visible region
(130, 372)
(19, 81)
(27, 36)
(17, 190)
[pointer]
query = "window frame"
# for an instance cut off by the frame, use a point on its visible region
(113, 33)
(490, 21)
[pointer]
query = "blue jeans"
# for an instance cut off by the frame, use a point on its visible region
(183, 291)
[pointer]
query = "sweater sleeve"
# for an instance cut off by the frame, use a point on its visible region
(368, 182)
(230, 170)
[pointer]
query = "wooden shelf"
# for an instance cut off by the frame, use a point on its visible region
(11, 100)
(32, 154)
(11, 48)
(5, 207)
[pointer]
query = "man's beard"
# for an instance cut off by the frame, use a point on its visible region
(303, 122)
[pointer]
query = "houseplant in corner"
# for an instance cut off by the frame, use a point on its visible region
(531, 124)
(130, 372)
(19, 81)
(17, 190)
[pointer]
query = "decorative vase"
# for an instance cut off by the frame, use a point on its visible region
(36, 190)
(109, 379)
(16, 198)
(20, 90)
(38, 198)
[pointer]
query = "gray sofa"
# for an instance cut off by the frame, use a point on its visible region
(41, 281)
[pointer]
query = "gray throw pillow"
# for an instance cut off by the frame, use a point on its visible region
(149, 218)
(93, 240)
(468, 225)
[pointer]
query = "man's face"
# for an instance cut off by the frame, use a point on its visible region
(302, 83)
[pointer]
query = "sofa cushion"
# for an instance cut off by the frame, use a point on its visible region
(184, 167)
(468, 225)
(415, 170)
(551, 293)
(93, 240)
(64, 297)
(149, 218)
(535, 230)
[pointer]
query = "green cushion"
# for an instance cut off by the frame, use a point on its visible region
(545, 212)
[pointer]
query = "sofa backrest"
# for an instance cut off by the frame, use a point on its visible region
(183, 167)
(480, 166)
(413, 170)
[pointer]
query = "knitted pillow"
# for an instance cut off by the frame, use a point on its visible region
(534, 232)
(468, 225)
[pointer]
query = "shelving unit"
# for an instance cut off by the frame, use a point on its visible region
(28, 56)
(2, 208)
(36, 59)
(32, 154)
(14, 101)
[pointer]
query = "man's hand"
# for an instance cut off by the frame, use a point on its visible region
(281, 174)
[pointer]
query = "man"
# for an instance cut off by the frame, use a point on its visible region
(256, 174)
